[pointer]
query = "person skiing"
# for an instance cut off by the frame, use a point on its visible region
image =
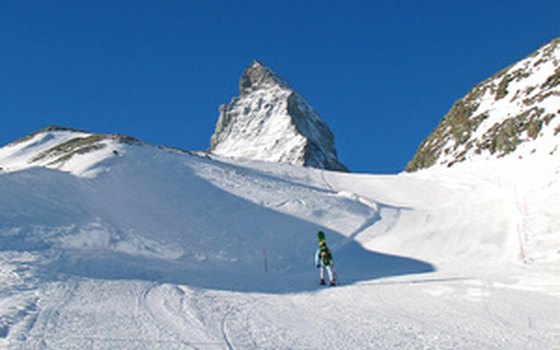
(324, 260)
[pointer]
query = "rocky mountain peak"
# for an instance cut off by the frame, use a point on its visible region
(256, 76)
(269, 121)
(514, 113)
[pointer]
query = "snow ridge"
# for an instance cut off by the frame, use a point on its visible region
(74, 151)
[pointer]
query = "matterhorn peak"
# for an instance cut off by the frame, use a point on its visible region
(269, 121)
(256, 76)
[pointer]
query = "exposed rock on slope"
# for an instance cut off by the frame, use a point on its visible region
(269, 121)
(513, 113)
(62, 148)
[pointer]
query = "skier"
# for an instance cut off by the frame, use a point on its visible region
(324, 260)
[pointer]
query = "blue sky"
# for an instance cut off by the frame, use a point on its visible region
(380, 73)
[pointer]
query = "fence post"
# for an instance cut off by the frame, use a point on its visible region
(265, 260)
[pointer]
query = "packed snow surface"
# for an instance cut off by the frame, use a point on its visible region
(130, 246)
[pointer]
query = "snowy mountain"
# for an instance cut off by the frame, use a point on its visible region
(108, 242)
(269, 121)
(62, 148)
(513, 114)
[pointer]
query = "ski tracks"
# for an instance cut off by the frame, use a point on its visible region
(19, 296)
(507, 317)
(47, 320)
(173, 308)
(374, 207)
(225, 335)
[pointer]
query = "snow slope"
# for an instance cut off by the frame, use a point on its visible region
(132, 246)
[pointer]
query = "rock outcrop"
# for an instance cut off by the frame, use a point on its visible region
(513, 113)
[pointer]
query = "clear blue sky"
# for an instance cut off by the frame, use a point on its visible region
(380, 73)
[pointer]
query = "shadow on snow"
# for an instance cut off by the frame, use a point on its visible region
(354, 264)
(227, 242)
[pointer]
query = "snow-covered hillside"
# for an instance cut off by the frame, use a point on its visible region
(107, 242)
(513, 114)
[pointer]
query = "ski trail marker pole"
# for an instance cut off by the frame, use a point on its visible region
(265, 260)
